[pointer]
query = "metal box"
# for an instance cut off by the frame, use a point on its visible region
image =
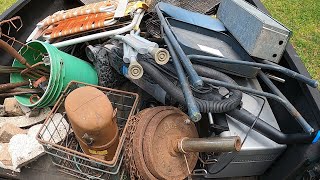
(258, 152)
(259, 34)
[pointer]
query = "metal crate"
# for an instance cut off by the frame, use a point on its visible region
(57, 136)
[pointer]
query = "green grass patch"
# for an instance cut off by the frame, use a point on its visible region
(303, 18)
(5, 4)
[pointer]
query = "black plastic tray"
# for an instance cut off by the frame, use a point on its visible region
(197, 40)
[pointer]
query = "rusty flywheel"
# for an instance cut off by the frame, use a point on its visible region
(151, 141)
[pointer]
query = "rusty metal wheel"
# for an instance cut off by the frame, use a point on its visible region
(154, 144)
(160, 143)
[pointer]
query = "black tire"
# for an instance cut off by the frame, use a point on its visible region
(105, 62)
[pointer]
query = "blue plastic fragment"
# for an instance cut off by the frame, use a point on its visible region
(190, 17)
(124, 70)
(316, 138)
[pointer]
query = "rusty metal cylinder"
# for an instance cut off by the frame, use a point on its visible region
(93, 121)
(8, 86)
(10, 50)
(214, 144)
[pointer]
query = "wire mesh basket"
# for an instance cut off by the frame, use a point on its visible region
(57, 136)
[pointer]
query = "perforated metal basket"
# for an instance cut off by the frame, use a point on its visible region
(57, 136)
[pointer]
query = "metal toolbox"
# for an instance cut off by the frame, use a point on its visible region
(259, 34)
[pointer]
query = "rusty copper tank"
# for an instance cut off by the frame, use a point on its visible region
(93, 121)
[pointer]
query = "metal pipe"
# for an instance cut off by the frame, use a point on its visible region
(276, 78)
(194, 77)
(269, 131)
(9, 69)
(4, 87)
(291, 109)
(20, 91)
(304, 124)
(286, 71)
(91, 37)
(193, 109)
(210, 118)
(10, 50)
(213, 144)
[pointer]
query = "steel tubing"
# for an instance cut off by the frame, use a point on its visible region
(7, 86)
(303, 123)
(286, 71)
(193, 109)
(194, 77)
(213, 144)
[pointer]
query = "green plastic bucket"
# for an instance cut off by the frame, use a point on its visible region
(63, 69)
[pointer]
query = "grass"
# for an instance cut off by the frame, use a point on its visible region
(5, 4)
(303, 18)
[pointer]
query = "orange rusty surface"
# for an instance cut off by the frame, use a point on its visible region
(93, 121)
(78, 24)
(57, 106)
(154, 142)
(83, 10)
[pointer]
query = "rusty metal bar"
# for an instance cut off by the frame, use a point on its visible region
(21, 43)
(2, 95)
(37, 67)
(4, 87)
(213, 144)
(9, 69)
(10, 20)
(10, 50)
(6, 47)
(19, 91)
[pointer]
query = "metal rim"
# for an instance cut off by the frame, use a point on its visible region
(151, 134)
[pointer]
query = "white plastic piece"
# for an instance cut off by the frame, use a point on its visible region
(135, 70)
(144, 46)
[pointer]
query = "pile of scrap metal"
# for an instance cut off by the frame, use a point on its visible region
(200, 112)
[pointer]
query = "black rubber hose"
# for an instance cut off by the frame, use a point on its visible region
(241, 115)
(234, 99)
(267, 130)
(220, 105)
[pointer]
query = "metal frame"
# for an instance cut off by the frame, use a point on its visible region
(64, 153)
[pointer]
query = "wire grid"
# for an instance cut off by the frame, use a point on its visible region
(61, 144)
